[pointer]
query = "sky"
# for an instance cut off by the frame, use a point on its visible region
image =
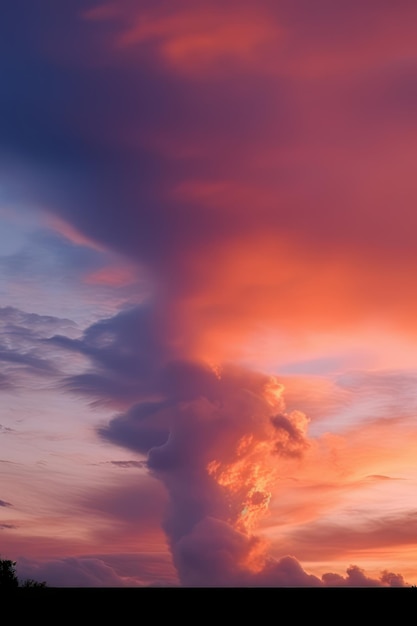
(208, 346)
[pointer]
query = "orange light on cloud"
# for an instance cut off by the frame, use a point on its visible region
(260, 285)
(248, 480)
(194, 39)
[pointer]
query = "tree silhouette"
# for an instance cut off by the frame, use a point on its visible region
(9, 579)
(29, 582)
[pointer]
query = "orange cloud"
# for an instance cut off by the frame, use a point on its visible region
(265, 284)
(295, 179)
(194, 38)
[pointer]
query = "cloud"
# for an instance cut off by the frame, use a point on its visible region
(384, 531)
(107, 570)
(353, 397)
(4, 503)
(356, 577)
(174, 187)
(126, 344)
(32, 324)
(73, 572)
(292, 441)
(212, 555)
(379, 477)
(215, 438)
(242, 170)
(5, 383)
(196, 39)
(215, 445)
(394, 390)
(23, 351)
(128, 464)
(8, 527)
(128, 352)
(138, 503)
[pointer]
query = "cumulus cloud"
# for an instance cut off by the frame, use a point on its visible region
(216, 444)
(125, 350)
(215, 438)
(73, 572)
(214, 554)
(356, 577)
(102, 570)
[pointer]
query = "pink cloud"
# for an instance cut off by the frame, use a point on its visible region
(111, 276)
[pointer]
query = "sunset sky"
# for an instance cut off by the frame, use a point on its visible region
(208, 302)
